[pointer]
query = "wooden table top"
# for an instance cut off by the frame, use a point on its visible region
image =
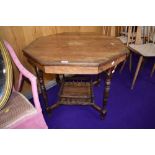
(75, 53)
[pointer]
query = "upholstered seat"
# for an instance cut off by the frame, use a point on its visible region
(147, 50)
(17, 108)
(18, 112)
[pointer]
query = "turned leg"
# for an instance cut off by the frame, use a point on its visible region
(42, 86)
(97, 81)
(153, 69)
(107, 90)
(57, 79)
(130, 62)
(137, 71)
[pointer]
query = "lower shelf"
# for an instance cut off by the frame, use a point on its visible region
(75, 92)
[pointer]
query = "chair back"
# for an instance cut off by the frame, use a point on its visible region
(23, 72)
(141, 34)
(132, 32)
(124, 30)
(18, 112)
(148, 34)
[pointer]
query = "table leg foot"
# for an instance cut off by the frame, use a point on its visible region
(103, 114)
(99, 109)
(48, 110)
(52, 107)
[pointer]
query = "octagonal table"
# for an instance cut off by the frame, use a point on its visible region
(76, 53)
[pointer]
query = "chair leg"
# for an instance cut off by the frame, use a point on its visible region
(137, 71)
(130, 62)
(153, 69)
(122, 67)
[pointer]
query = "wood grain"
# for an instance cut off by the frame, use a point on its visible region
(21, 36)
(76, 53)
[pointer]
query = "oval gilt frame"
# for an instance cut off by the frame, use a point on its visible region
(9, 75)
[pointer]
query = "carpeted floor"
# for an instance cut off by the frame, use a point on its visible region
(126, 108)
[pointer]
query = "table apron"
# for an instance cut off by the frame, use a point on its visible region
(83, 69)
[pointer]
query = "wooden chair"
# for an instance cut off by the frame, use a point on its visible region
(131, 33)
(124, 35)
(18, 111)
(144, 46)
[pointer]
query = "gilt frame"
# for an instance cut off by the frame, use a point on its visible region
(9, 75)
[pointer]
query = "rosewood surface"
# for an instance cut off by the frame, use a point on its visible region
(76, 53)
